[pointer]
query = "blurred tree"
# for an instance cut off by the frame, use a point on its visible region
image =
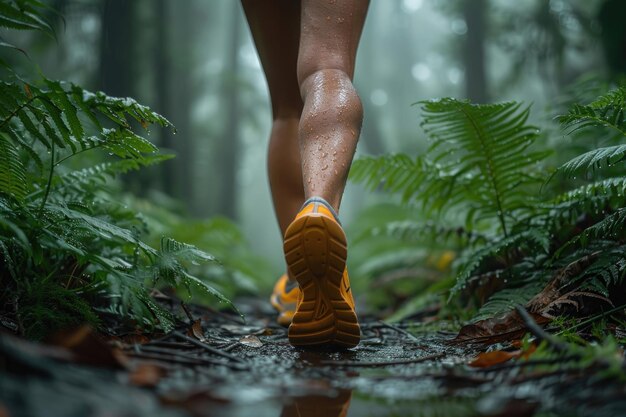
(473, 12)
(179, 92)
(228, 149)
(116, 47)
(163, 70)
(612, 15)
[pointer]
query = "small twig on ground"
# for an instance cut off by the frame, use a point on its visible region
(384, 363)
(209, 348)
(399, 330)
(187, 312)
(538, 331)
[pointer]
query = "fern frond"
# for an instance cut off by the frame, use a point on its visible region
(164, 318)
(506, 300)
(608, 188)
(24, 15)
(428, 233)
(99, 228)
(606, 111)
(607, 271)
(69, 110)
(486, 144)
(78, 180)
(12, 172)
(472, 260)
(594, 159)
(612, 227)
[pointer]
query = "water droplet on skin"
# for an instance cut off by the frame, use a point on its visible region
(319, 147)
(334, 152)
(325, 167)
(324, 154)
(336, 173)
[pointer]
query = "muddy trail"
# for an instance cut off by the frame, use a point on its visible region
(215, 365)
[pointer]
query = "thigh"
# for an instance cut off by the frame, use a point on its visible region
(275, 27)
(329, 35)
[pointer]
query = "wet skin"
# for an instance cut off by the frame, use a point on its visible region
(308, 52)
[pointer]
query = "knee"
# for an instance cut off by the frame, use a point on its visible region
(329, 94)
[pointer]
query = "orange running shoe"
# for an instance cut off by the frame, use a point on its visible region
(316, 250)
(284, 299)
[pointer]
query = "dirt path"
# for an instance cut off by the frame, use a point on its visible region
(221, 367)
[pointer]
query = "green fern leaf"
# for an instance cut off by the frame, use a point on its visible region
(69, 111)
(487, 145)
(478, 160)
(594, 159)
(12, 172)
(100, 228)
(472, 260)
(23, 16)
(507, 299)
(164, 318)
(608, 188)
(32, 129)
(606, 111)
(34, 156)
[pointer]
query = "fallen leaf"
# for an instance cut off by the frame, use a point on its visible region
(196, 331)
(251, 340)
(486, 359)
(88, 348)
(146, 375)
(509, 326)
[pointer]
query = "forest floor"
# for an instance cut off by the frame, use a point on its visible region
(216, 365)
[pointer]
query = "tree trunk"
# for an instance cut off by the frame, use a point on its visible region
(229, 147)
(162, 58)
(116, 52)
(180, 99)
(474, 50)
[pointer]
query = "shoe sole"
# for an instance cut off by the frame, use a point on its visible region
(316, 251)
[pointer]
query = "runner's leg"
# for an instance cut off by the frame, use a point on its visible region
(331, 119)
(275, 27)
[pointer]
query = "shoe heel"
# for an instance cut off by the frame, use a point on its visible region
(316, 252)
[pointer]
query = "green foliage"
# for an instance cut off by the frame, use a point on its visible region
(478, 162)
(483, 176)
(69, 247)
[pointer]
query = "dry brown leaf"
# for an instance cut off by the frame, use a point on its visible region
(88, 348)
(196, 331)
(146, 375)
(251, 340)
(509, 326)
(486, 359)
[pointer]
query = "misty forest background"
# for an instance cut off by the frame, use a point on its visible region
(194, 62)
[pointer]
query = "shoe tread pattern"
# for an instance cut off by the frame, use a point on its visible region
(316, 251)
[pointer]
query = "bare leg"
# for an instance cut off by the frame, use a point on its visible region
(275, 27)
(331, 119)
